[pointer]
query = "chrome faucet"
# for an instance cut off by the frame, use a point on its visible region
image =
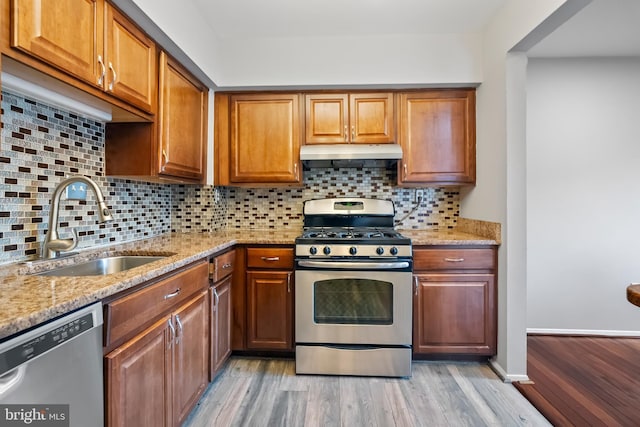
(53, 245)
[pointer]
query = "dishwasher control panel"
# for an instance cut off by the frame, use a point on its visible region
(44, 342)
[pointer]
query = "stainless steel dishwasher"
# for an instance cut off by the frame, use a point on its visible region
(56, 363)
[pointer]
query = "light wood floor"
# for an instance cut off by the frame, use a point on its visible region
(267, 392)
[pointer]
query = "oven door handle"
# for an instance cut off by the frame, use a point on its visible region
(351, 265)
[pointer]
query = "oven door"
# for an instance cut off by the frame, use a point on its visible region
(361, 303)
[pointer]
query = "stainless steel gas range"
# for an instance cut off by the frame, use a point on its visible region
(353, 290)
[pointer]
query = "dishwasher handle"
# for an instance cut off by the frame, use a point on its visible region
(12, 379)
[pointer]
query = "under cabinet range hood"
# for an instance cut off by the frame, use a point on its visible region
(351, 152)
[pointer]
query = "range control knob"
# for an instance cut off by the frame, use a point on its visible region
(353, 250)
(380, 250)
(313, 250)
(394, 251)
(326, 250)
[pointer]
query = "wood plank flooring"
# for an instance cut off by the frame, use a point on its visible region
(267, 392)
(584, 381)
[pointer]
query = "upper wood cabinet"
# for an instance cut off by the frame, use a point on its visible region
(92, 41)
(182, 122)
(258, 139)
(349, 118)
(437, 135)
(174, 148)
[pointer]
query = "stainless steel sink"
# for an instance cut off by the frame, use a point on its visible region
(103, 266)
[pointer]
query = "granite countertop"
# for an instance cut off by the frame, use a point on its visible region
(27, 300)
(633, 294)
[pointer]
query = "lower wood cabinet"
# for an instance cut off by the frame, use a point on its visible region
(270, 310)
(220, 296)
(455, 301)
(455, 314)
(156, 376)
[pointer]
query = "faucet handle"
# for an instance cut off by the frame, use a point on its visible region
(63, 245)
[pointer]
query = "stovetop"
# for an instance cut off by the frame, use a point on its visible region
(360, 234)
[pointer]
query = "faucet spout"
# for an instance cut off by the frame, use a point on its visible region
(53, 245)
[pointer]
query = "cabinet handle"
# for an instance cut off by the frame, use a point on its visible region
(404, 171)
(164, 157)
(295, 170)
(346, 134)
(225, 266)
(104, 70)
(288, 282)
(415, 285)
(173, 294)
(173, 333)
(353, 132)
(270, 258)
(216, 298)
(115, 76)
(180, 329)
(454, 259)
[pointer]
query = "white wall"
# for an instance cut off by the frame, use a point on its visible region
(583, 193)
(496, 194)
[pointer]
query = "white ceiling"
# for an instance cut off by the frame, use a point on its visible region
(602, 28)
(322, 18)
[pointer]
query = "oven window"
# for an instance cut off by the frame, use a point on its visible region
(353, 301)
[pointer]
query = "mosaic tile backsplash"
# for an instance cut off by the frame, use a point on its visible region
(41, 145)
(197, 208)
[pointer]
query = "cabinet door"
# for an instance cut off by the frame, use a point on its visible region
(327, 118)
(265, 139)
(269, 310)
(191, 351)
(131, 62)
(182, 122)
(437, 134)
(455, 314)
(371, 118)
(65, 33)
(220, 325)
(138, 376)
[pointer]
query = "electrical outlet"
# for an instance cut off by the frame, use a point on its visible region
(77, 191)
(419, 195)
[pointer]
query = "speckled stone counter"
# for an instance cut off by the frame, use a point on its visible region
(27, 300)
(633, 294)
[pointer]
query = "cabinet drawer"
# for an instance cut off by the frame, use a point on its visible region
(280, 258)
(132, 312)
(453, 259)
(223, 265)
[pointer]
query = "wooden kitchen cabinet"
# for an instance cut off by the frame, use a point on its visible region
(221, 270)
(155, 376)
(269, 283)
(436, 129)
(174, 149)
(182, 122)
(258, 139)
(190, 356)
(342, 118)
(455, 301)
(92, 41)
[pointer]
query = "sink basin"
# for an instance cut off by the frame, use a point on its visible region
(103, 266)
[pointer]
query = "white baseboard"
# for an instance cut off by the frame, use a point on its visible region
(592, 332)
(503, 374)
